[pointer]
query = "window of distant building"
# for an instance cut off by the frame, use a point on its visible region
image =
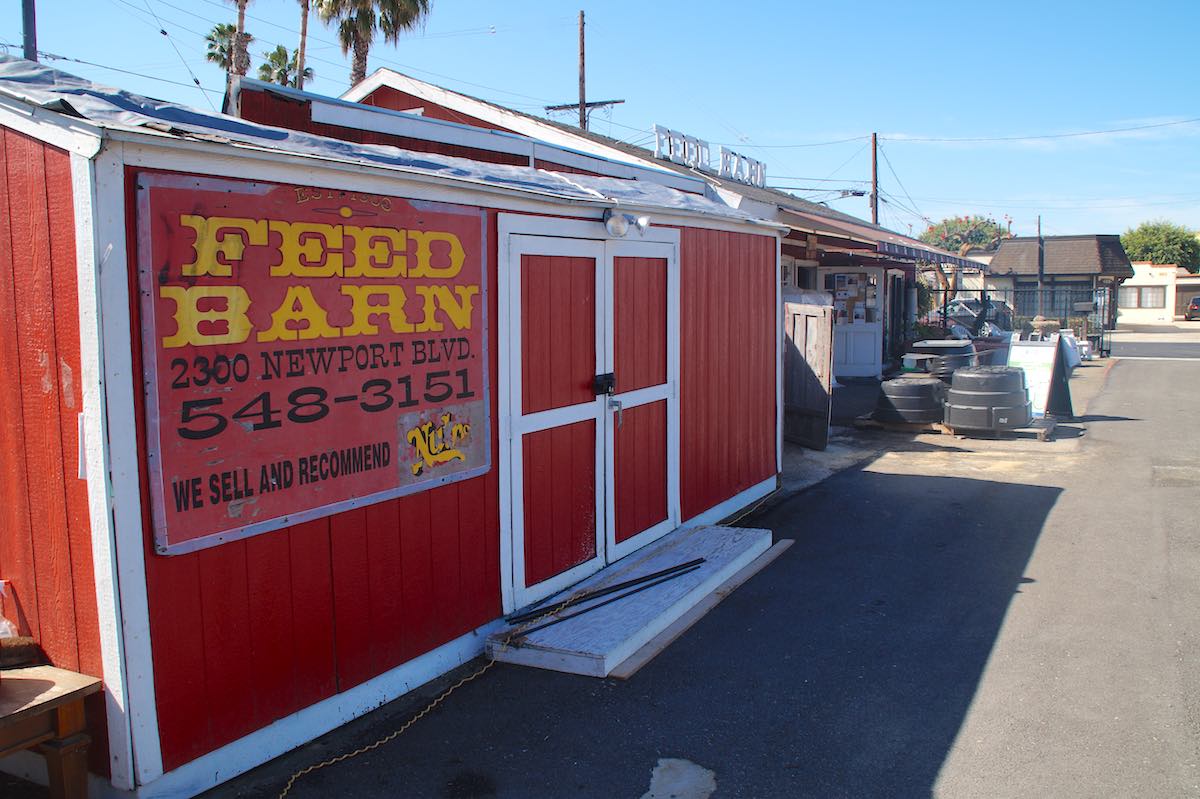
(1142, 297)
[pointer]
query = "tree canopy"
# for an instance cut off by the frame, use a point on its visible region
(281, 67)
(358, 22)
(957, 233)
(221, 44)
(1162, 242)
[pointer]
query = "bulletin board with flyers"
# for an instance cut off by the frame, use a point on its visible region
(855, 297)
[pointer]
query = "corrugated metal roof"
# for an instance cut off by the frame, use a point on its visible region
(826, 220)
(39, 86)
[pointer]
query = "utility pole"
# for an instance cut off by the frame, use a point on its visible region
(582, 88)
(583, 105)
(874, 180)
(1041, 302)
(29, 23)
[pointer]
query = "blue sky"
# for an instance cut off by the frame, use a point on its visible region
(778, 80)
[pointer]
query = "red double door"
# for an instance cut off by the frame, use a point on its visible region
(593, 451)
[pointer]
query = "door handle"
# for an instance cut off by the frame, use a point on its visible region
(616, 405)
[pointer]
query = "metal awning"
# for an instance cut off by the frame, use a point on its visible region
(885, 241)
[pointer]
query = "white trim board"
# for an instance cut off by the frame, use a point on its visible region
(90, 258)
(68, 133)
(157, 150)
(518, 123)
(723, 510)
(406, 124)
(599, 640)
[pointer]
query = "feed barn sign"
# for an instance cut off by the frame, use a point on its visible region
(304, 351)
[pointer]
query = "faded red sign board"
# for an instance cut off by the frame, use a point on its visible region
(305, 351)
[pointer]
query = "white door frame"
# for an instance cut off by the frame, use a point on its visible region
(522, 424)
(514, 238)
(668, 391)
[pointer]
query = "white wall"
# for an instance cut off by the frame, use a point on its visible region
(1148, 274)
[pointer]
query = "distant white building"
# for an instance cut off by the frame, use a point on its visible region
(1156, 294)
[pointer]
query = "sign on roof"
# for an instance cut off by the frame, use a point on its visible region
(690, 151)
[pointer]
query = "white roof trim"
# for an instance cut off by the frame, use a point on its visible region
(518, 123)
(68, 133)
(351, 114)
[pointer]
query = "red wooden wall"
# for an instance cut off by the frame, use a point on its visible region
(251, 631)
(728, 327)
(396, 100)
(45, 532)
(267, 108)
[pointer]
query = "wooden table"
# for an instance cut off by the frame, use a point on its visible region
(43, 707)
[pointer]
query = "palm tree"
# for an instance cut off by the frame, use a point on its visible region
(359, 20)
(300, 70)
(220, 45)
(280, 67)
(240, 63)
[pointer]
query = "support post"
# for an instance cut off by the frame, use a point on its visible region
(582, 88)
(29, 23)
(1041, 266)
(874, 180)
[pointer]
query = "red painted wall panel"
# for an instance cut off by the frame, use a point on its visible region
(558, 331)
(560, 504)
(727, 365)
(640, 493)
(639, 322)
(282, 112)
(322, 606)
(251, 631)
(45, 542)
(550, 166)
(396, 100)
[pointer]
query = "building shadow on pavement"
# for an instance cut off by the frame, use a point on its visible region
(845, 668)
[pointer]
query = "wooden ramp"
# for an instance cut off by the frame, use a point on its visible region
(598, 641)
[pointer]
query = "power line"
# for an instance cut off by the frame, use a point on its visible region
(899, 182)
(792, 146)
(57, 57)
(167, 36)
(819, 180)
(854, 155)
(903, 138)
(377, 58)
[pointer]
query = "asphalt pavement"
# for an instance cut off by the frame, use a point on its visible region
(956, 619)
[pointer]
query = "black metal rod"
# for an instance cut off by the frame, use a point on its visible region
(534, 613)
(608, 601)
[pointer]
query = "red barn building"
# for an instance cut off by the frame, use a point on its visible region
(291, 420)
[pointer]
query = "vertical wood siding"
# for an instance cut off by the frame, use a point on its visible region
(640, 469)
(560, 502)
(729, 327)
(45, 532)
(639, 322)
(558, 331)
(251, 631)
(396, 100)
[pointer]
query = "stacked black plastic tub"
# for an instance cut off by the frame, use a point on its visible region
(910, 400)
(950, 354)
(988, 399)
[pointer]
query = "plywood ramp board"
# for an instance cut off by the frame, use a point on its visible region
(596, 642)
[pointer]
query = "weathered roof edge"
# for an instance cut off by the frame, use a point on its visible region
(45, 91)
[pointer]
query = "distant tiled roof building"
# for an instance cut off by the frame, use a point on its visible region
(1082, 256)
